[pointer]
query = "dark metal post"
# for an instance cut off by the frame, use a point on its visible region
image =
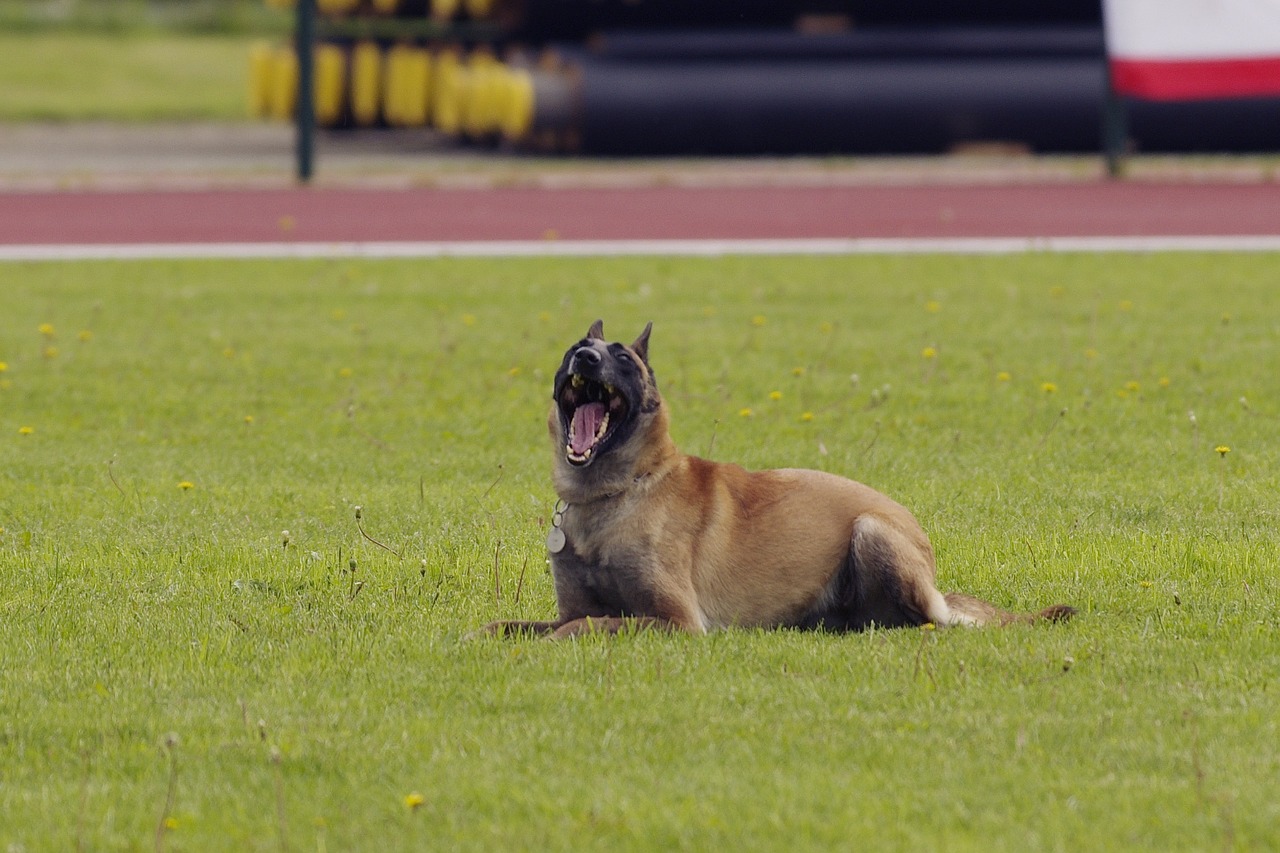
(306, 114)
(1115, 129)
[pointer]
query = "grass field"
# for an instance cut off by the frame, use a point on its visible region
(200, 650)
(142, 76)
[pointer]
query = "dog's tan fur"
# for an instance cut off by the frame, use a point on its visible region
(656, 538)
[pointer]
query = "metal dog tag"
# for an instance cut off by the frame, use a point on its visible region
(555, 540)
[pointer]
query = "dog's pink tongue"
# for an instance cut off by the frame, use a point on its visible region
(586, 420)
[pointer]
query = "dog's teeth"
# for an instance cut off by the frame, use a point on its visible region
(576, 380)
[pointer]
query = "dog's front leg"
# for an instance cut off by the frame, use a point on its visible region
(515, 627)
(614, 625)
(677, 613)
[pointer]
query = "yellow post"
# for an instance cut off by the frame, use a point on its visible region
(366, 83)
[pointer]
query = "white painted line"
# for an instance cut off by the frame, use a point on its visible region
(599, 248)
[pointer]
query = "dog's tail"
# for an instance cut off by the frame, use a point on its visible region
(968, 610)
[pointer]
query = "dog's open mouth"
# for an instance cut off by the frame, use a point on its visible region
(591, 411)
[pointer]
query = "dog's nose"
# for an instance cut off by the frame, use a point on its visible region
(586, 357)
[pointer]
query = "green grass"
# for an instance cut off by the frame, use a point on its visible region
(144, 16)
(79, 76)
(177, 675)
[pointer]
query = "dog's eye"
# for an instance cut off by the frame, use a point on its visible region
(624, 358)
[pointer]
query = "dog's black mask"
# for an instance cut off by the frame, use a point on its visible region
(599, 390)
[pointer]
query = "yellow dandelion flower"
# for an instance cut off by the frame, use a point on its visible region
(46, 329)
(1164, 382)
(186, 485)
(468, 319)
(345, 373)
(758, 320)
(171, 823)
(3, 367)
(513, 372)
(928, 626)
(26, 430)
(413, 800)
(248, 419)
(1003, 376)
(745, 413)
(1222, 450)
(544, 316)
(50, 352)
(806, 417)
(775, 395)
(933, 306)
(1146, 584)
(795, 371)
(1132, 385)
(1091, 353)
(1049, 388)
(1126, 305)
(228, 352)
(85, 336)
(928, 353)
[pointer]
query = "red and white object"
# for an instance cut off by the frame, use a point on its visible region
(1171, 50)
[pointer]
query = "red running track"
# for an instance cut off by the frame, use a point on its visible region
(303, 215)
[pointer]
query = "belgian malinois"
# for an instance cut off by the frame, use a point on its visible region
(646, 536)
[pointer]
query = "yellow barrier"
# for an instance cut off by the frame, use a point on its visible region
(284, 84)
(261, 66)
(415, 106)
(516, 117)
(393, 83)
(273, 83)
(366, 83)
(385, 7)
(406, 86)
(447, 92)
(481, 94)
(330, 84)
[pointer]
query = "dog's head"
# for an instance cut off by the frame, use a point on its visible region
(605, 405)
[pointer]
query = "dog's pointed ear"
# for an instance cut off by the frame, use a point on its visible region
(641, 345)
(596, 332)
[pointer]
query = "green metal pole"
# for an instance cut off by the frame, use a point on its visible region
(1115, 132)
(1115, 125)
(306, 114)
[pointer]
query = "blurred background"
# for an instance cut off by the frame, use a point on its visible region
(612, 77)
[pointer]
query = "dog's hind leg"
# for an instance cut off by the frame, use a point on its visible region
(894, 582)
(894, 578)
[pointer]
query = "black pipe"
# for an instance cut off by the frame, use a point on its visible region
(923, 106)
(877, 43)
(821, 107)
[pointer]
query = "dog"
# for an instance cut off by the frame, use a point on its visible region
(645, 536)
